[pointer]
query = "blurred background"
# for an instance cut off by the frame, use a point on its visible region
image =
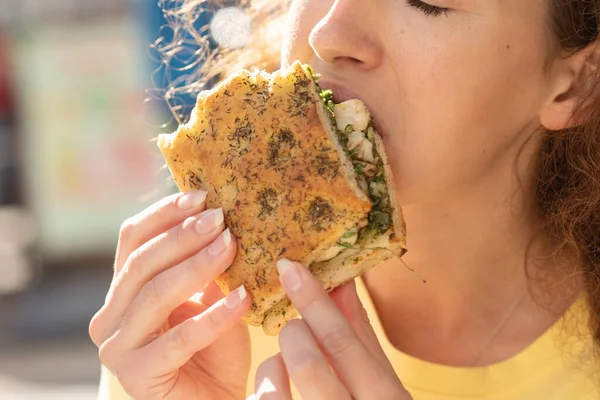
(76, 159)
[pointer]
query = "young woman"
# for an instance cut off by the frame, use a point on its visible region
(490, 113)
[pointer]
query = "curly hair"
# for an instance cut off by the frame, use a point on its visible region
(567, 192)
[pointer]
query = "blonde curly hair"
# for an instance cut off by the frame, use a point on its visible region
(190, 43)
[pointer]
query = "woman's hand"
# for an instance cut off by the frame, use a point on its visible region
(165, 331)
(335, 333)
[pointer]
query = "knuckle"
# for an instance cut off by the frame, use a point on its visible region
(179, 236)
(108, 355)
(160, 211)
(308, 303)
(126, 230)
(180, 338)
(94, 328)
(181, 233)
(151, 296)
(338, 342)
(196, 267)
(213, 323)
(133, 259)
(133, 268)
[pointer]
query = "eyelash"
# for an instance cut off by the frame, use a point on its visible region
(428, 9)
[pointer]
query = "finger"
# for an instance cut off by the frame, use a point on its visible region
(167, 249)
(186, 311)
(173, 349)
(346, 298)
(211, 294)
(171, 288)
(159, 217)
(351, 360)
(307, 366)
(153, 257)
(272, 381)
(197, 304)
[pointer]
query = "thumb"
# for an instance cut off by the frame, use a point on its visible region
(347, 300)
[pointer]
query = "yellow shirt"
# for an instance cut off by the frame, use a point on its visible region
(552, 368)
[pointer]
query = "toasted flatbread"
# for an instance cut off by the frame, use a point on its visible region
(267, 150)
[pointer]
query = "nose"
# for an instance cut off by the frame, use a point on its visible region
(346, 37)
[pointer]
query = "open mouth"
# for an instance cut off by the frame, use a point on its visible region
(342, 94)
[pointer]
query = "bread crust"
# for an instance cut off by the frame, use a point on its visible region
(351, 263)
(264, 148)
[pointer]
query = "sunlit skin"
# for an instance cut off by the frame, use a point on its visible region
(459, 90)
(456, 97)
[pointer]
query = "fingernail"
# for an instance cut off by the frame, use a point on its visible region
(220, 244)
(191, 200)
(196, 297)
(289, 275)
(235, 298)
(265, 387)
(210, 221)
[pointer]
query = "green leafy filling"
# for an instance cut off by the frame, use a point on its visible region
(380, 216)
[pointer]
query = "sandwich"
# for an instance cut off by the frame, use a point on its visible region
(297, 176)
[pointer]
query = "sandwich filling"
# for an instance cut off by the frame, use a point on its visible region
(353, 124)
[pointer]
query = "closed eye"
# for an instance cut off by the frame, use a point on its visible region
(428, 9)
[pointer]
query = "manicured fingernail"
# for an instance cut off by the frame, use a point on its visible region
(289, 275)
(210, 221)
(265, 387)
(191, 200)
(220, 244)
(235, 298)
(196, 297)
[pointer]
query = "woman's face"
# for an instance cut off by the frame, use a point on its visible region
(454, 94)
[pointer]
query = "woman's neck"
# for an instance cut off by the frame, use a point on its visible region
(471, 249)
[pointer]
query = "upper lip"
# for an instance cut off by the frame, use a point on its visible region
(340, 92)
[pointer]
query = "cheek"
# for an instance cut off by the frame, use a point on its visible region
(303, 16)
(461, 112)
